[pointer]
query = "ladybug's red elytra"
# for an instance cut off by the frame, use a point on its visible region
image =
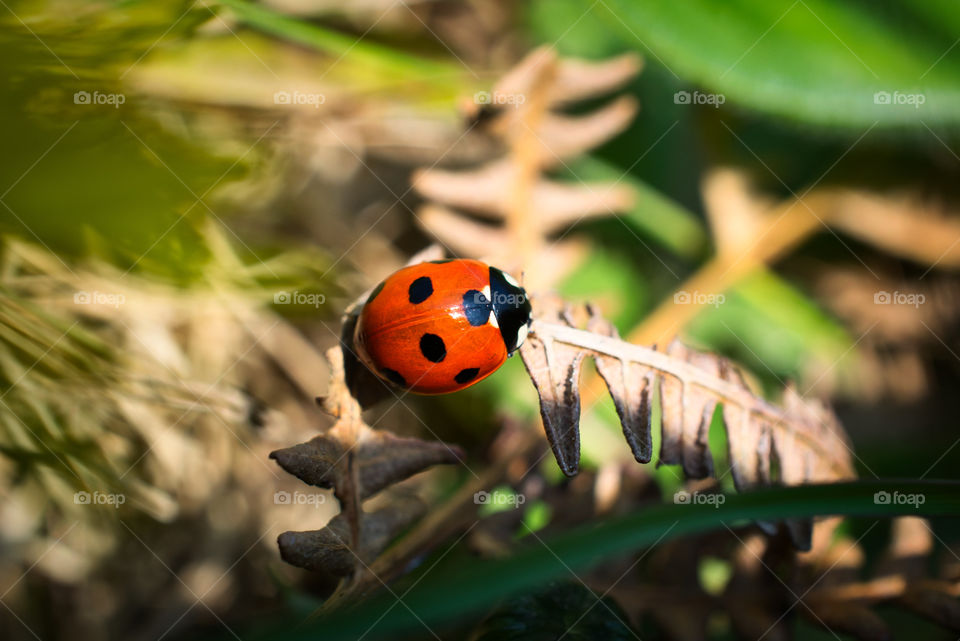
(441, 326)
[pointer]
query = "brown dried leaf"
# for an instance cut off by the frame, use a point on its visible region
(631, 386)
(356, 461)
(460, 234)
(512, 189)
(382, 460)
(581, 79)
(563, 137)
(555, 370)
(486, 191)
(329, 550)
(573, 79)
(803, 437)
(687, 412)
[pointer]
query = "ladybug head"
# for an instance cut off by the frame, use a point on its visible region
(511, 307)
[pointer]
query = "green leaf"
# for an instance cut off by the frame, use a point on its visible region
(448, 593)
(819, 61)
(714, 573)
(536, 517)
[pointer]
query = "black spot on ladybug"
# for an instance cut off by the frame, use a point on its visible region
(476, 307)
(432, 348)
(441, 262)
(420, 290)
(467, 375)
(376, 291)
(394, 376)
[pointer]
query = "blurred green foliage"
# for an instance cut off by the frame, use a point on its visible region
(98, 179)
(814, 61)
(799, 81)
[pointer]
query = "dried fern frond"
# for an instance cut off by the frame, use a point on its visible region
(801, 437)
(357, 461)
(523, 206)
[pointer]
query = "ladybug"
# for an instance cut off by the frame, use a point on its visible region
(443, 325)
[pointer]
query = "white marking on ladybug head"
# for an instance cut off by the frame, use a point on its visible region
(493, 320)
(510, 279)
(522, 334)
(486, 292)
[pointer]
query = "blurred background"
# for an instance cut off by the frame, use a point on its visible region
(193, 192)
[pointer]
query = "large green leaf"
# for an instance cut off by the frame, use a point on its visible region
(819, 61)
(451, 591)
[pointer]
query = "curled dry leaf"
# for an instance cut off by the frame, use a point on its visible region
(555, 371)
(329, 549)
(357, 462)
(382, 459)
(802, 436)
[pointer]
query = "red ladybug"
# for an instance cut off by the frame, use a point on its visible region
(441, 326)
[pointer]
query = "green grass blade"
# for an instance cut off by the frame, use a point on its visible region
(455, 590)
(360, 50)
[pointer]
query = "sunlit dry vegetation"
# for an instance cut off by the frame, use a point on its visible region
(733, 416)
